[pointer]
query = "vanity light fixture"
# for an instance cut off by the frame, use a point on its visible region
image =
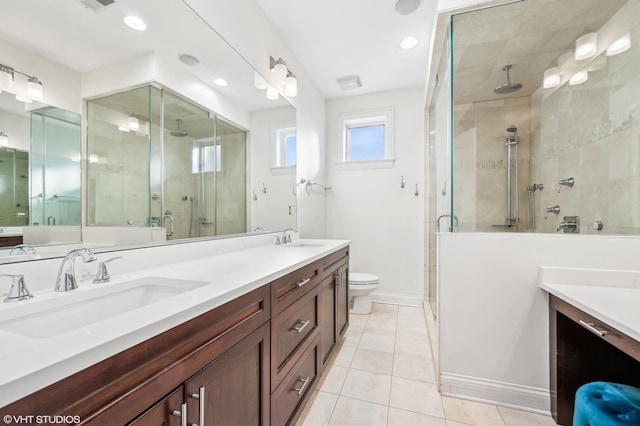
(34, 88)
(551, 78)
(133, 123)
(283, 78)
(291, 85)
(135, 23)
(4, 139)
(579, 77)
(408, 43)
(586, 47)
(279, 70)
(619, 46)
(220, 82)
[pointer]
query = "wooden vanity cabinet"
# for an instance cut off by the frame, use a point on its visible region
(252, 361)
(334, 302)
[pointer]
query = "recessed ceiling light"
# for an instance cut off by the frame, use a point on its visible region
(409, 43)
(407, 7)
(190, 60)
(220, 82)
(135, 23)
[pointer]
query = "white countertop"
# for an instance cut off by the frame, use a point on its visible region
(29, 364)
(615, 300)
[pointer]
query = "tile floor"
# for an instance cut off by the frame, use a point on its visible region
(383, 374)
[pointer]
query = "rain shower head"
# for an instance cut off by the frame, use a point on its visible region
(509, 87)
(512, 129)
(179, 133)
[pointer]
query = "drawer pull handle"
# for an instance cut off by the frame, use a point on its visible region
(338, 281)
(303, 282)
(304, 385)
(182, 413)
(589, 326)
(300, 325)
(200, 396)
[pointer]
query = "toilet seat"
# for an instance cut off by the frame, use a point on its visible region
(359, 278)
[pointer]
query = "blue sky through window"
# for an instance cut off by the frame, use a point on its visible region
(290, 153)
(367, 143)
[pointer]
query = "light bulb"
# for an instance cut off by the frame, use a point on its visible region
(586, 47)
(34, 89)
(291, 85)
(6, 77)
(579, 77)
(551, 78)
(259, 82)
(272, 93)
(621, 45)
(4, 139)
(408, 43)
(133, 123)
(279, 71)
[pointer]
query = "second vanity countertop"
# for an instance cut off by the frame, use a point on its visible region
(29, 363)
(613, 297)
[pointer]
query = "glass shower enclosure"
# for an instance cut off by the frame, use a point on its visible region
(159, 160)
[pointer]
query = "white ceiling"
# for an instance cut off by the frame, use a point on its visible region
(336, 38)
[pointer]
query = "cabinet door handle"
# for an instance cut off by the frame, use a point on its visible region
(182, 413)
(304, 385)
(303, 282)
(200, 397)
(591, 327)
(302, 325)
(336, 277)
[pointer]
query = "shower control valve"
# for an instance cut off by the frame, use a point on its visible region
(554, 209)
(570, 225)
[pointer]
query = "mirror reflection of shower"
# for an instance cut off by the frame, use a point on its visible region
(511, 143)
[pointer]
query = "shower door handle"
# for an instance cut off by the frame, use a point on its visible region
(168, 215)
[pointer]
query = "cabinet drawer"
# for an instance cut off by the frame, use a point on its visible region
(289, 330)
(296, 388)
(164, 412)
(288, 289)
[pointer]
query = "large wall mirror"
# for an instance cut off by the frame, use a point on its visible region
(178, 140)
(545, 119)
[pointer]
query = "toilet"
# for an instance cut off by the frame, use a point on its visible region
(360, 287)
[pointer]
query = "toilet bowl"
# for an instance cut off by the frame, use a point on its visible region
(360, 288)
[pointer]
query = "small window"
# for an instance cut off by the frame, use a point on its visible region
(366, 139)
(206, 158)
(284, 151)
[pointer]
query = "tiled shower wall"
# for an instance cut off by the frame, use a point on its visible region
(480, 164)
(591, 132)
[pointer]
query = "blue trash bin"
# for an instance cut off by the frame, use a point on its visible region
(607, 404)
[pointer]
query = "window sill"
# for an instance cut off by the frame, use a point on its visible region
(283, 170)
(365, 164)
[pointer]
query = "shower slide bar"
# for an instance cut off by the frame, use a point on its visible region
(511, 143)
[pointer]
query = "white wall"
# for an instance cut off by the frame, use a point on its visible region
(494, 318)
(17, 129)
(243, 24)
(385, 222)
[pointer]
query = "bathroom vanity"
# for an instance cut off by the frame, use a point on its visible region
(594, 334)
(250, 355)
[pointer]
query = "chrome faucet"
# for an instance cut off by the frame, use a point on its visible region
(566, 182)
(23, 249)
(19, 290)
(66, 280)
(554, 209)
(287, 238)
(569, 224)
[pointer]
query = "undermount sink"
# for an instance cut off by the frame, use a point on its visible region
(70, 311)
(302, 244)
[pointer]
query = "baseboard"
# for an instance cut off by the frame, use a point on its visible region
(535, 400)
(397, 299)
